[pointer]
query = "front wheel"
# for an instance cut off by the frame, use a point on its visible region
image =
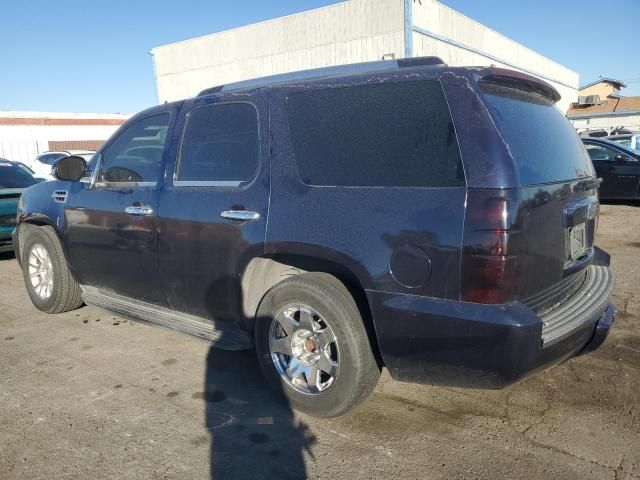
(313, 346)
(49, 282)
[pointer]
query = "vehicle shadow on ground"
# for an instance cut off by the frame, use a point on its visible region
(630, 203)
(253, 431)
(6, 256)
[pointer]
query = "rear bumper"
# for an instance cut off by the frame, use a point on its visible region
(444, 342)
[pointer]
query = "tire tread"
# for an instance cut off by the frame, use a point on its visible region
(367, 371)
(69, 294)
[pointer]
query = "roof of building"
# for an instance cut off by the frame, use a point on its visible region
(617, 83)
(616, 105)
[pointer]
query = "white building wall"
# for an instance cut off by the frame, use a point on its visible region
(608, 123)
(349, 32)
(19, 149)
(444, 23)
(23, 142)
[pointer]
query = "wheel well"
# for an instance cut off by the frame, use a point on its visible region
(263, 273)
(22, 228)
(35, 223)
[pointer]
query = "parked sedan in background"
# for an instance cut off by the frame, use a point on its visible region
(43, 162)
(14, 178)
(617, 165)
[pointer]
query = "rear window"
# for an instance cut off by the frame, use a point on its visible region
(398, 134)
(544, 145)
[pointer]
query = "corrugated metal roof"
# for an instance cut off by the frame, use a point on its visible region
(605, 80)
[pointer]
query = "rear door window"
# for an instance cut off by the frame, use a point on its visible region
(220, 146)
(542, 142)
(390, 135)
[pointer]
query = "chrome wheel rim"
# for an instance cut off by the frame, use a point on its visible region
(41, 271)
(304, 349)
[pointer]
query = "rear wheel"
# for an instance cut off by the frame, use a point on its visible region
(313, 346)
(49, 282)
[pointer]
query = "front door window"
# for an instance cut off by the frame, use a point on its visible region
(135, 156)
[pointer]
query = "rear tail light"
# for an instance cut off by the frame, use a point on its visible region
(489, 262)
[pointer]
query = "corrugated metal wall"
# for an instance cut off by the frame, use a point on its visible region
(20, 150)
(459, 40)
(349, 32)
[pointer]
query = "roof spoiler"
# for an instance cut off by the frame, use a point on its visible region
(515, 79)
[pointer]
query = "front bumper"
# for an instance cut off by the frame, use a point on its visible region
(6, 243)
(444, 342)
(16, 245)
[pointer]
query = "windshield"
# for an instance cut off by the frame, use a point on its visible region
(50, 158)
(12, 176)
(542, 142)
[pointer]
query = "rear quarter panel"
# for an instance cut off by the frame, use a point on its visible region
(486, 158)
(362, 227)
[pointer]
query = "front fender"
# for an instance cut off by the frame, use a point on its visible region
(37, 207)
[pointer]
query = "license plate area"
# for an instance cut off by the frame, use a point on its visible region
(577, 242)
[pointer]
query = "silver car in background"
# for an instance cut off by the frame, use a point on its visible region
(42, 164)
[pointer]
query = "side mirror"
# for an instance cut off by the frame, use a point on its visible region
(620, 158)
(69, 168)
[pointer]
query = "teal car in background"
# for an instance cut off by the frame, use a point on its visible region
(14, 178)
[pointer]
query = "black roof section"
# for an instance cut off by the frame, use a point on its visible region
(335, 71)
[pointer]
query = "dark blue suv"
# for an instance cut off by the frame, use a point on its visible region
(436, 221)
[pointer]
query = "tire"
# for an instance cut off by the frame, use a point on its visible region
(317, 376)
(63, 293)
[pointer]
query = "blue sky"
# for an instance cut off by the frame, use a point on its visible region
(74, 55)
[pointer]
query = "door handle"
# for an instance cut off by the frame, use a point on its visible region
(139, 210)
(240, 215)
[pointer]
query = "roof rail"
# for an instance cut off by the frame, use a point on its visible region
(335, 71)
